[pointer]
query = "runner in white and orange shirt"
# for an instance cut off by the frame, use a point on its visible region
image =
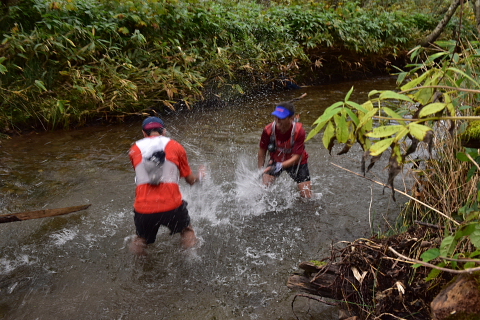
(159, 164)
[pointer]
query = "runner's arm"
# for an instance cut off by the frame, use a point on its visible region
(262, 154)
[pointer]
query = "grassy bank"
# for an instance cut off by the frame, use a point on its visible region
(65, 63)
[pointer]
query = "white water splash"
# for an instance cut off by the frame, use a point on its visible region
(254, 198)
(62, 237)
(7, 266)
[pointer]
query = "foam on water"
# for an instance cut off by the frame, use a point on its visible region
(62, 237)
(7, 266)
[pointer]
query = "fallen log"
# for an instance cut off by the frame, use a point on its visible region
(327, 281)
(27, 215)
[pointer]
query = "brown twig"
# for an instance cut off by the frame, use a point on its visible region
(426, 264)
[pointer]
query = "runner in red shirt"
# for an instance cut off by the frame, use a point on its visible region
(159, 164)
(284, 139)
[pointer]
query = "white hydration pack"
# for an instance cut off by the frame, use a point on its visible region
(155, 168)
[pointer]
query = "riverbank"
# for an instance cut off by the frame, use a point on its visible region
(62, 67)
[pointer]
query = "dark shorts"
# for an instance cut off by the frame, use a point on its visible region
(148, 224)
(299, 173)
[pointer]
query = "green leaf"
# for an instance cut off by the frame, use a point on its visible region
(431, 109)
(385, 131)
(366, 117)
(373, 92)
(349, 93)
(415, 82)
(353, 116)
(356, 106)
(424, 95)
(368, 105)
(329, 112)
(393, 114)
(394, 95)
(315, 131)
(418, 130)
(401, 135)
(475, 236)
(449, 103)
(328, 135)
(448, 246)
(380, 146)
(430, 254)
(341, 128)
(39, 84)
(462, 157)
(462, 73)
(435, 272)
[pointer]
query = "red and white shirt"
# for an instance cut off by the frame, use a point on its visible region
(166, 196)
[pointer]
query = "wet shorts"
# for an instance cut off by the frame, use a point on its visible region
(148, 224)
(298, 173)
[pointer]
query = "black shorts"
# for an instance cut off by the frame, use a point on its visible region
(299, 173)
(147, 225)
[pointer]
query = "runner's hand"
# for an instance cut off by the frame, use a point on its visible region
(274, 168)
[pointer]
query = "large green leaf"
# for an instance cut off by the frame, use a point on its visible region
(341, 128)
(385, 131)
(418, 130)
(380, 146)
(316, 130)
(328, 135)
(431, 109)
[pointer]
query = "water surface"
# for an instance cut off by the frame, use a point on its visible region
(78, 266)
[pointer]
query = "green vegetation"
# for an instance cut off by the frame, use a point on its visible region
(64, 63)
(436, 102)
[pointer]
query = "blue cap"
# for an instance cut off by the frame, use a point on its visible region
(152, 123)
(282, 112)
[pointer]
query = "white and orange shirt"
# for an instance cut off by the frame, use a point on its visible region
(166, 196)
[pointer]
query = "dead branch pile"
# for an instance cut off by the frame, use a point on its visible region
(371, 281)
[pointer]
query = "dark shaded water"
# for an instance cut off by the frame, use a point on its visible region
(77, 266)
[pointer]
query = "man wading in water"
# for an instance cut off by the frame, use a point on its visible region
(159, 164)
(284, 139)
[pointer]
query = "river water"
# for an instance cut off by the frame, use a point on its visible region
(78, 266)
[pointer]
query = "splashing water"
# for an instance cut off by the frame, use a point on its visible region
(62, 237)
(254, 198)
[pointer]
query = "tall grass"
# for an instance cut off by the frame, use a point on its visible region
(66, 62)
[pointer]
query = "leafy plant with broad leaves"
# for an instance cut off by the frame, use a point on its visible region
(440, 90)
(396, 122)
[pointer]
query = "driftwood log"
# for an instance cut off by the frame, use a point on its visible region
(321, 280)
(27, 215)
